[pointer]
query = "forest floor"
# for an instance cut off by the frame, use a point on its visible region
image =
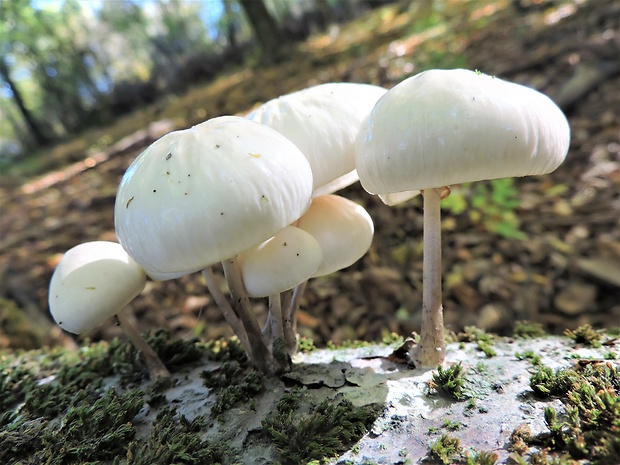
(543, 249)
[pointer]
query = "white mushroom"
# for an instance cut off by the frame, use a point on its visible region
(203, 195)
(323, 122)
(280, 263)
(93, 282)
(199, 196)
(443, 127)
(343, 228)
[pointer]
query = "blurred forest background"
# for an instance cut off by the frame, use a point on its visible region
(86, 85)
(68, 65)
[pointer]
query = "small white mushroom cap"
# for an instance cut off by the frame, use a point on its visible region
(323, 122)
(199, 196)
(443, 127)
(280, 263)
(93, 282)
(343, 228)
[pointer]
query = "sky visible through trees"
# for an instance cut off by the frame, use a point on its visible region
(66, 65)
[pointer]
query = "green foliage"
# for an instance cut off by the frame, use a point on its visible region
(586, 335)
(328, 429)
(491, 204)
(449, 381)
(446, 449)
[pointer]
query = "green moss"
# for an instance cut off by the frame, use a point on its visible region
(348, 344)
(224, 350)
(392, 338)
(483, 339)
(446, 449)
(235, 385)
(590, 426)
(480, 458)
(586, 335)
(487, 349)
(474, 334)
(87, 432)
(56, 411)
(546, 382)
(326, 430)
(305, 344)
(528, 329)
(529, 355)
(450, 381)
(177, 440)
(451, 425)
(175, 352)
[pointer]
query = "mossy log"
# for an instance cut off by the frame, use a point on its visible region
(546, 399)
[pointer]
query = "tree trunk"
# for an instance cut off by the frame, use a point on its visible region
(268, 33)
(35, 130)
(231, 26)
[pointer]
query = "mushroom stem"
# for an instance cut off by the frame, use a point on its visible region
(156, 367)
(290, 318)
(266, 331)
(241, 302)
(279, 347)
(431, 350)
(228, 312)
(275, 317)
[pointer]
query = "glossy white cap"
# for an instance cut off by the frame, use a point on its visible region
(323, 122)
(343, 228)
(199, 196)
(280, 263)
(92, 283)
(444, 127)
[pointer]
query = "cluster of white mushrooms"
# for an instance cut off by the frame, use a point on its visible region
(256, 194)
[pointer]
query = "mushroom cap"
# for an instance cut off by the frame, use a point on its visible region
(93, 282)
(280, 263)
(443, 127)
(199, 196)
(343, 228)
(323, 122)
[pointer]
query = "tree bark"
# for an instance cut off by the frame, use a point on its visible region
(34, 128)
(267, 30)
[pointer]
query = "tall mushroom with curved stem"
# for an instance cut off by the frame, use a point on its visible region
(333, 234)
(443, 127)
(93, 282)
(280, 263)
(203, 195)
(344, 231)
(323, 121)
